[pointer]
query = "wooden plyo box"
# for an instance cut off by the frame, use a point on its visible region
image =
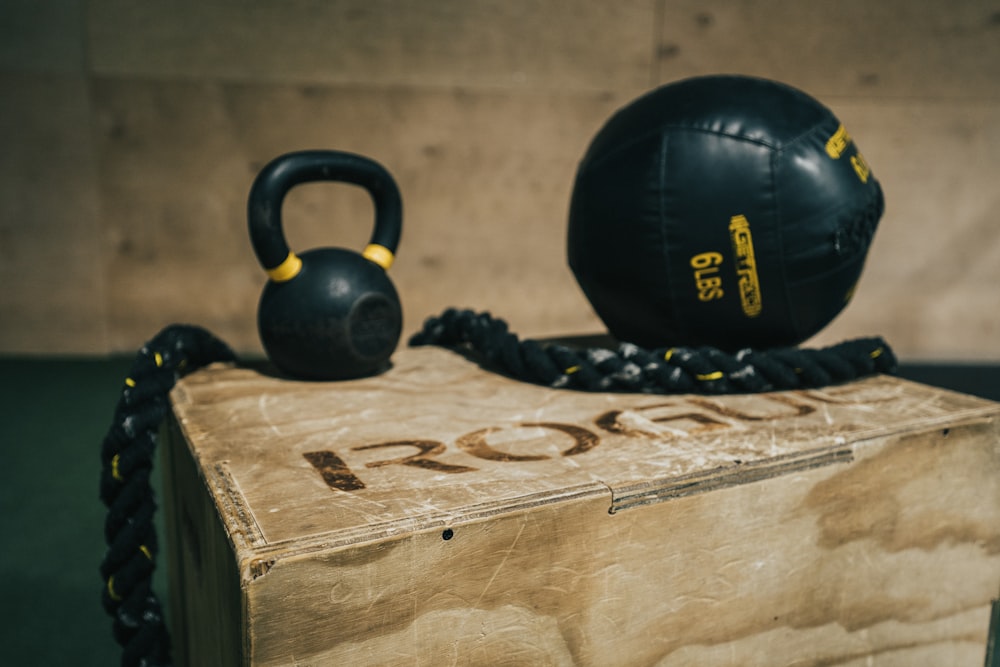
(439, 514)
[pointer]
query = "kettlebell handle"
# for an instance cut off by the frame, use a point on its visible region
(286, 171)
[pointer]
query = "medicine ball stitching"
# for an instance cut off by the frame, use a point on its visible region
(597, 160)
(720, 133)
(664, 228)
(859, 229)
(779, 230)
(630, 368)
(760, 141)
(857, 232)
(817, 128)
(662, 129)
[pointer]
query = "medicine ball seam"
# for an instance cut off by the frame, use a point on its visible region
(663, 229)
(826, 274)
(815, 129)
(856, 235)
(780, 232)
(799, 96)
(719, 133)
(591, 163)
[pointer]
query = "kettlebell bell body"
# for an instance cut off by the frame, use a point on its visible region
(329, 313)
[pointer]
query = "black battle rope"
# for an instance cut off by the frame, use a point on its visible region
(127, 460)
(703, 370)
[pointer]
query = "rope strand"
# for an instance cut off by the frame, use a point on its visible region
(674, 370)
(126, 465)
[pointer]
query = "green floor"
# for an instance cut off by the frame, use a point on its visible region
(54, 415)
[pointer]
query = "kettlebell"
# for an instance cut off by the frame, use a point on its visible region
(329, 313)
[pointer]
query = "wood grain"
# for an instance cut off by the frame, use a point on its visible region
(151, 120)
(204, 583)
(859, 523)
(51, 254)
(508, 44)
(480, 226)
(850, 49)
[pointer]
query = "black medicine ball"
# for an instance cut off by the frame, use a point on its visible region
(724, 210)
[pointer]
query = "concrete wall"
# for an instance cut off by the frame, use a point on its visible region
(132, 130)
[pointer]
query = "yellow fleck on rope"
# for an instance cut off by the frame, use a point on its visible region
(114, 468)
(572, 369)
(717, 375)
(130, 382)
(159, 359)
(111, 589)
(876, 353)
(145, 551)
(669, 353)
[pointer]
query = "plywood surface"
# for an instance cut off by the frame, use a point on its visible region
(741, 576)
(441, 510)
(437, 437)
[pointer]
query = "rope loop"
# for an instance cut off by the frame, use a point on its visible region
(629, 368)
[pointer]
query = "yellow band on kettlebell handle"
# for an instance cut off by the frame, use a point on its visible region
(287, 270)
(379, 254)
